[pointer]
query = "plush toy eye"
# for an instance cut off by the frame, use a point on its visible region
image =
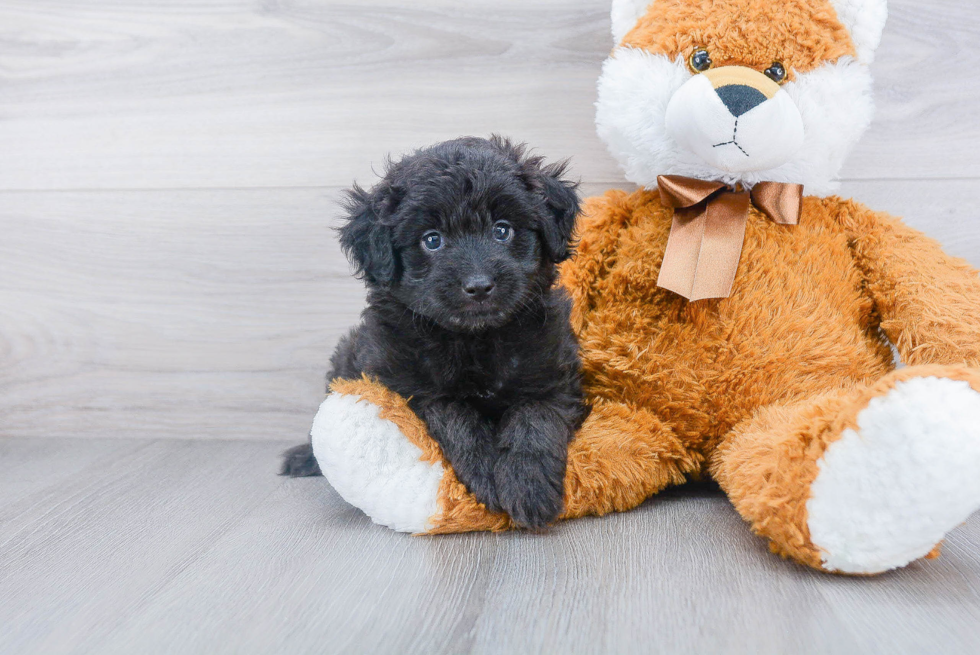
(776, 72)
(700, 60)
(502, 231)
(432, 240)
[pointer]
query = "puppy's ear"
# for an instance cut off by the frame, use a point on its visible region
(366, 238)
(561, 199)
(560, 195)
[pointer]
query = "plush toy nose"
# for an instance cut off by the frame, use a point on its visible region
(478, 287)
(740, 98)
(741, 89)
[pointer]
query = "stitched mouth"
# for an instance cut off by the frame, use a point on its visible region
(734, 141)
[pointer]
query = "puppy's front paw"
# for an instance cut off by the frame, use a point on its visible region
(530, 488)
(484, 488)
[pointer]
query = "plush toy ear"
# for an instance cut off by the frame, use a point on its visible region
(624, 15)
(365, 237)
(865, 20)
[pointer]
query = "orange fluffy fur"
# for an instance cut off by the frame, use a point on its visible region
(743, 32)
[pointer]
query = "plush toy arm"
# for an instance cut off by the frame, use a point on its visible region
(928, 301)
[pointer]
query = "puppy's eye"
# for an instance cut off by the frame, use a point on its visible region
(502, 231)
(432, 240)
(700, 61)
(776, 72)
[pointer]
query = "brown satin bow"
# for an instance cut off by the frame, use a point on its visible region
(706, 237)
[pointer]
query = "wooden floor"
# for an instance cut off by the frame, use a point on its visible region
(170, 292)
(183, 546)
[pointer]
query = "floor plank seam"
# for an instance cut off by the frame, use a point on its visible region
(209, 543)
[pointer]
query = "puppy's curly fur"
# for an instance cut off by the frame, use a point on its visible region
(458, 246)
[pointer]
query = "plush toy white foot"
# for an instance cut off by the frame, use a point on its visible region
(373, 466)
(888, 492)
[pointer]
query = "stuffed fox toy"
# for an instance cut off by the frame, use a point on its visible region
(735, 320)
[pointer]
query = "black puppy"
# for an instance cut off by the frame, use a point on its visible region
(458, 245)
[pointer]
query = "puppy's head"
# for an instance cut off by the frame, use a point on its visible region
(465, 232)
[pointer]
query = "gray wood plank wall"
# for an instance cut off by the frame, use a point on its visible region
(169, 173)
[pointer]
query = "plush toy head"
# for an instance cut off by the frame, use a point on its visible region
(738, 91)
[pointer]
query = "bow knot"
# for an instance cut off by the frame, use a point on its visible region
(708, 230)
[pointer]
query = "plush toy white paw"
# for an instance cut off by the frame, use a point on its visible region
(373, 466)
(889, 491)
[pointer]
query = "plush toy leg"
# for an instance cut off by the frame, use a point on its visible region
(864, 480)
(377, 455)
(359, 440)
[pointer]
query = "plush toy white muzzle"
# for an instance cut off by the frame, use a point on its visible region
(735, 119)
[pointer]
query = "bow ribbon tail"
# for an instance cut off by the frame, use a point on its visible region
(781, 202)
(704, 246)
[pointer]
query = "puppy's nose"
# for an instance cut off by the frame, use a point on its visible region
(478, 287)
(740, 98)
